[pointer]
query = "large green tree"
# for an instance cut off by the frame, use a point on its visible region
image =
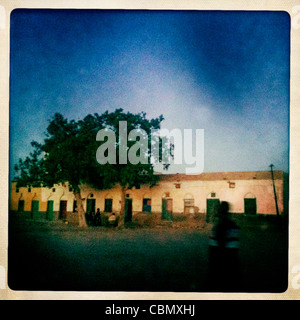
(68, 153)
(129, 174)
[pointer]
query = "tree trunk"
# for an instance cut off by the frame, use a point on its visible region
(122, 211)
(80, 210)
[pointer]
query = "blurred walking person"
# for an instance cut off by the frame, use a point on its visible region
(224, 269)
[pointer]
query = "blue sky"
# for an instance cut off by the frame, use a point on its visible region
(221, 71)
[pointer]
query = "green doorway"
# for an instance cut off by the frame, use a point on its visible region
(35, 209)
(212, 207)
(90, 206)
(167, 209)
(50, 210)
(21, 205)
(63, 209)
(250, 206)
(128, 210)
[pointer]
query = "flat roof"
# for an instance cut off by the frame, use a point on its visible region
(212, 176)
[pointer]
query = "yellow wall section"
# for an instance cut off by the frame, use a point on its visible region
(197, 189)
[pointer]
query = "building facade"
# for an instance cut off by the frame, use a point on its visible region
(176, 194)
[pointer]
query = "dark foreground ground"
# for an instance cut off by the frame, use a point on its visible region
(55, 256)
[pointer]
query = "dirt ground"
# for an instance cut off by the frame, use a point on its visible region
(171, 257)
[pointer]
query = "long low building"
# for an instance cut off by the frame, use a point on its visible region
(250, 193)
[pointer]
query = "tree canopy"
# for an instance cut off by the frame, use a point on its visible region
(68, 153)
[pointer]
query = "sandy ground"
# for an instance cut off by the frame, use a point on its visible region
(56, 256)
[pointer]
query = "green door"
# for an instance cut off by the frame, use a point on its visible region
(128, 210)
(35, 209)
(63, 209)
(212, 207)
(164, 214)
(21, 205)
(250, 206)
(108, 205)
(146, 205)
(90, 206)
(50, 212)
(167, 209)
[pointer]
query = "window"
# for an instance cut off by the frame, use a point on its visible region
(29, 189)
(189, 202)
(213, 194)
(231, 185)
(108, 205)
(17, 190)
(146, 205)
(53, 189)
(177, 185)
(188, 205)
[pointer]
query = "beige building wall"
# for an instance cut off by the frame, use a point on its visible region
(177, 189)
(200, 191)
